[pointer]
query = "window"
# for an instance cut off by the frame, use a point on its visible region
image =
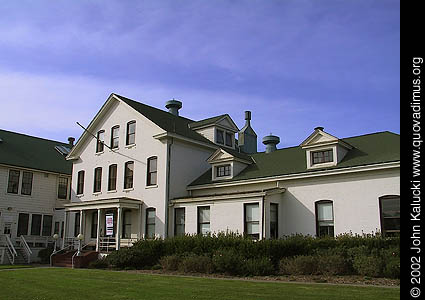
(319, 157)
(229, 139)
(36, 224)
(56, 230)
(179, 221)
(252, 220)
(203, 220)
(324, 218)
(131, 133)
(152, 171)
(128, 175)
(93, 225)
(222, 171)
(389, 207)
(80, 183)
(115, 137)
(13, 184)
(62, 227)
(219, 136)
(112, 178)
(97, 180)
(100, 141)
(274, 220)
(77, 224)
(150, 223)
(126, 225)
(23, 220)
(62, 187)
(26, 183)
(47, 225)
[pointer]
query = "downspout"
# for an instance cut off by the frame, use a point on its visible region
(167, 184)
(263, 220)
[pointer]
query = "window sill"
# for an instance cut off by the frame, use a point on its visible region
(323, 165)
(80, 195)
(151, 186)
(112, 191)
(97, 193)
(130, 146)
(128, 190)
(114, 149)
(99, 153)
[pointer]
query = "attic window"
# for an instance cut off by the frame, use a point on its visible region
(319, 157)
(222, 171)
(219, 136)
(229, 138)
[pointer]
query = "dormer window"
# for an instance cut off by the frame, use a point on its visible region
(219, 136)
(229, 139)
(319, 157)
(222, 171)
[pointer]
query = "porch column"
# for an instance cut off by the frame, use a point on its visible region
(81, 221)
(118, 235)
(139, 225)
(64, 230)
(98, 230)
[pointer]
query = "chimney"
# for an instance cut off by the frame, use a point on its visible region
(173, 106)
(247, 138)
(71, 141)
(271, 141)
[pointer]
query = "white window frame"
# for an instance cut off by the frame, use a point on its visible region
(309, 158)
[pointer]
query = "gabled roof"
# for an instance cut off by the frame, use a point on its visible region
(214, 120)
(31, 152)
(239, 155)
(381, 147)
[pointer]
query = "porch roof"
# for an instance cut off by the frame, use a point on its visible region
(123, 202)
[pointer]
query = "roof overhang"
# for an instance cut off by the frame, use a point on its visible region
(105, 203)
(169, 135)
(214, 158)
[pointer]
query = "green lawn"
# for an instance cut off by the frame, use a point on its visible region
(3, 267)
(58, 283)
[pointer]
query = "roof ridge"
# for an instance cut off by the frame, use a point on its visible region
(34, 137)
(218, 116)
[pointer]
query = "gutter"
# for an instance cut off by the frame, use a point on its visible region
(167, 184)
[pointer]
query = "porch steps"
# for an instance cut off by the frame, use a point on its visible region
(82, 261)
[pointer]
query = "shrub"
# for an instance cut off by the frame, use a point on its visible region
(170, 262)
(259, 266)
(228, 261)
(333, 265)
(196, 264)
(101, 263)
(44, 255)
(392, 263)
(299, 265)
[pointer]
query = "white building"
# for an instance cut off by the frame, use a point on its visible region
(35, 181)
(140, 172)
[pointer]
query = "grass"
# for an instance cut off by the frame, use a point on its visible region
(5, 267)
(61, 283)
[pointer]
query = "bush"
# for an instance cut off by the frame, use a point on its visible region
(196, 264)
(259, 267)
(299, 265)
(228, 261)
(170, 263)
(44, 255)
(101, 263)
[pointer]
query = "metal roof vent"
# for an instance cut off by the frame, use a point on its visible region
(71, 141)
(271, 141)
(173, 106)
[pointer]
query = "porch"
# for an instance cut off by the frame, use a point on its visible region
(104, 225)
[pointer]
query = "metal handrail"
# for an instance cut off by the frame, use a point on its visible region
(76, 253)
(57, 251)
(11, 249)
(26, 248)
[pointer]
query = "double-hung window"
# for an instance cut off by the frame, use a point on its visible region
(47, 225)
(219, 136)
(229, 139)
(112, 178)
(126, 226)
(26, 183)
(131, 133)
(128, 175)
(390, 215)
(152, 171)
(252, 220)
(115, 137)
(324, 218)
(203, 220)
(274, 220)
(179, 221)
(100, 141)
(97, 186)
(13, 183)
(150, 223)
(80, 183)
(62, 187)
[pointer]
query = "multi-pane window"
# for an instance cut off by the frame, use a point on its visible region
(229, 139)
(150, 223)
(128, 175)
(47, 225)
(203, 220)
(319, 157)
(77, 224)
(115, 137)
(13, 184)
(23, 220)
(93, 225)
(152, 171)
(26, 183)
(126, 225)
(131, 133)
(35, 224)
(222, 171)
(219, 136)
(100, 141)
(112, 178)
(252, 220)
(97, 186)
(56, 229)
(62, 187)
(390, 215)
(324, 218)
(274, 220)
(80, 183)
(179, 221)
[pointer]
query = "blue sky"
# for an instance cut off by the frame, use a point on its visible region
(295, 64)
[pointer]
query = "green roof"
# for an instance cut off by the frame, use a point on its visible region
(166, 120)
(208, 121)
(367, 149)
(31, 152)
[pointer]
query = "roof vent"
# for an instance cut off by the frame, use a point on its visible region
(319, 128)
(71, 141)
(271, 141)
(173, 106)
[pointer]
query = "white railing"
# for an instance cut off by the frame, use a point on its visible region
(107, 242)
(128, 242)
(37, 241)
(11, 249)
(71, 242)
(27, 248)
